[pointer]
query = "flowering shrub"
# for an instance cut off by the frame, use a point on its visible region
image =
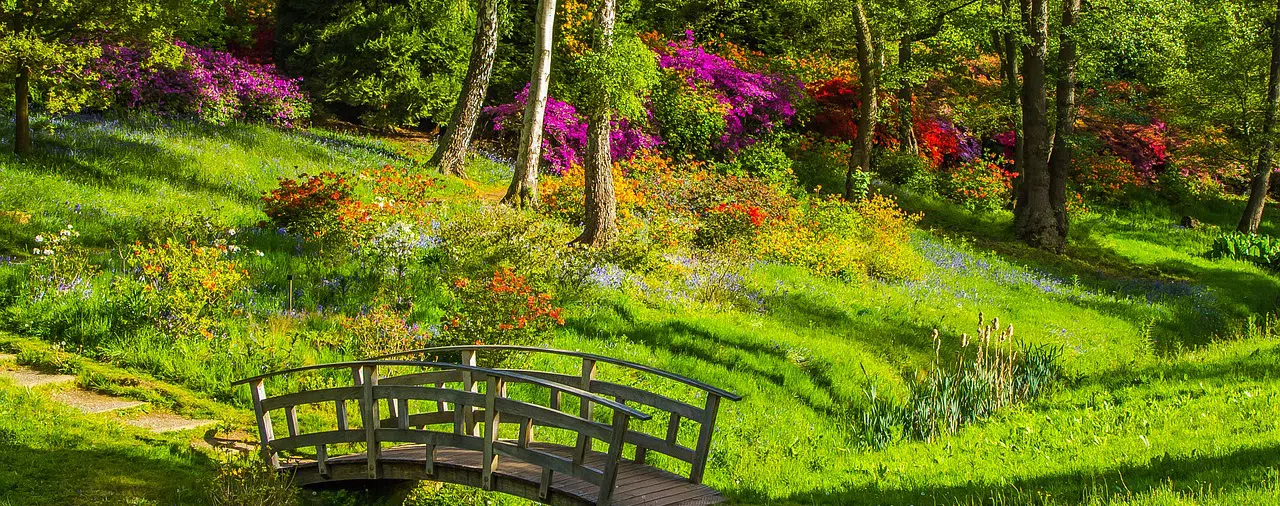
(187, 288)
(383, 331)
(60, 263)
(730, 222)
(834, 237)
(504, 309)
(980, 185)
(1105, 177)
(213, 85)
(753, 102)
(946, 144)
(312, 206)
(564, 132)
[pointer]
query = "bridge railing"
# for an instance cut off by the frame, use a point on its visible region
(704, 417)
(465, 408)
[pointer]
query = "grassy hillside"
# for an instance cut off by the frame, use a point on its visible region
(1170, 357)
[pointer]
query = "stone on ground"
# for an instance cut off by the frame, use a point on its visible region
(31, 378)
(167, 422)
(89, 402)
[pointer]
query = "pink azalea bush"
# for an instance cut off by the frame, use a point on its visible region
(213, 85)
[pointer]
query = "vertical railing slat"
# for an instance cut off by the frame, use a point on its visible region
(613, 458)
(258, 391)
(370, 419)
(469, 384)
(491, 421)
(704, 438)
(583, 445)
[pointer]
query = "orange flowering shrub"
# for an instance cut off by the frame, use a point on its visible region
(1105, 177)
(980, 185)
(186, 288)
(312, 206)
(504, 309)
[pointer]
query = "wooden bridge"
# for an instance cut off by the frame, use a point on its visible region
(446, 421)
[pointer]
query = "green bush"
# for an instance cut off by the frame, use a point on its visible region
(900, 168)
(1260, 249)
(763, 160)
(691, 120)
(395, 63)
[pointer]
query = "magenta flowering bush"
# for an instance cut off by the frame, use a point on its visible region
(752, 103)
(564, 132)
(214, 85)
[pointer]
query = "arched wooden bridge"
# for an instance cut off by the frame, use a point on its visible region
(444, 421)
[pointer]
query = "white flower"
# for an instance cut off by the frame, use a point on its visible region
(39, 238)
(257, 252)
(47, 252)
(231, 232)
(69, 227)
(65, 233)
(35, 251)
(233, 248)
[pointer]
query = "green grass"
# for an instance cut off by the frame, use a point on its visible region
(1170, 398)
(53, 455)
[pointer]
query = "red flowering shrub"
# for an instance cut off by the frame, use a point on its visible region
(730, 222)
(504, 309)
(1105, 177)
(310, 206)
(327, 206)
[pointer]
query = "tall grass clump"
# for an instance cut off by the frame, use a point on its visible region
(1260, 249)
(989, 372)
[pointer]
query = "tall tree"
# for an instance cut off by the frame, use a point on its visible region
(909, 76)
(1036, 223)
(523, 191)
(1007, 50)
(1065, 102)
(1260, 184)
(868, 109)
(600, 219)
(452, 152)
(40, 35)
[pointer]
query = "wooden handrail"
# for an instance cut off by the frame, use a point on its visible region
(586, 356)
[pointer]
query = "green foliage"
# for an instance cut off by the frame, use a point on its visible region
(766, 161)
(1260, 249)
(979, 185)
(623, 76)
(392, 63)
(247, 481)
(692, 120)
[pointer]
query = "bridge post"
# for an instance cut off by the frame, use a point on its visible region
(584, 442)
(258, 391)
(369, 417)
(469, 384)
(491, 421)
(614, 457)
(704, 438)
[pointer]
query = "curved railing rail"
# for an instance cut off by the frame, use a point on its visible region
(668, 444)
(431, 383)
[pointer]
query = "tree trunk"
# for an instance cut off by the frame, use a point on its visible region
(1060, 159)
(867, 110)
(451, 154)
(600, 221)
(1037, 226)
(1008, 53)
(1262, 173)
(22, 111)
(906, 110)
(523, 191)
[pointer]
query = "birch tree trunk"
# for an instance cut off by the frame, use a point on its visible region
(1060, 159)
(867, 110)
(1261, 183)
(451, 154)
(1037, 224)
(600, 221)
(523, 191)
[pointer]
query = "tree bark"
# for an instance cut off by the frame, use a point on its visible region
(1261, 183)
(451, 154)
(21, 91)
(1037, 226)
(906, 110)
(1060, 159)
(600, 221)
(1008, 53)
(523, 191)
(868, 109)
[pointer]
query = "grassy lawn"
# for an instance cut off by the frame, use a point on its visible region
(1172, 364)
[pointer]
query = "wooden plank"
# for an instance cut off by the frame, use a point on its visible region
(554, 377)
(322, 457)
(433, 418)
(704, 439)
(423, 378)
(402, 412)
(424, 393)
(583, 445)
(291, 419)
(645, 441)
(552, 418)
(551, 461)
(370, 418)
(317, 438)
(258, 391)
(647, 398)
(610, 477)
(469, 384)
(311, 397)
(491, 419)
(436, 438)
(340, 409)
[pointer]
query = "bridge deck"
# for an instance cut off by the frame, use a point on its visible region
(637, 484)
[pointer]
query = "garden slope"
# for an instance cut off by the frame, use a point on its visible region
(1142, 419)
